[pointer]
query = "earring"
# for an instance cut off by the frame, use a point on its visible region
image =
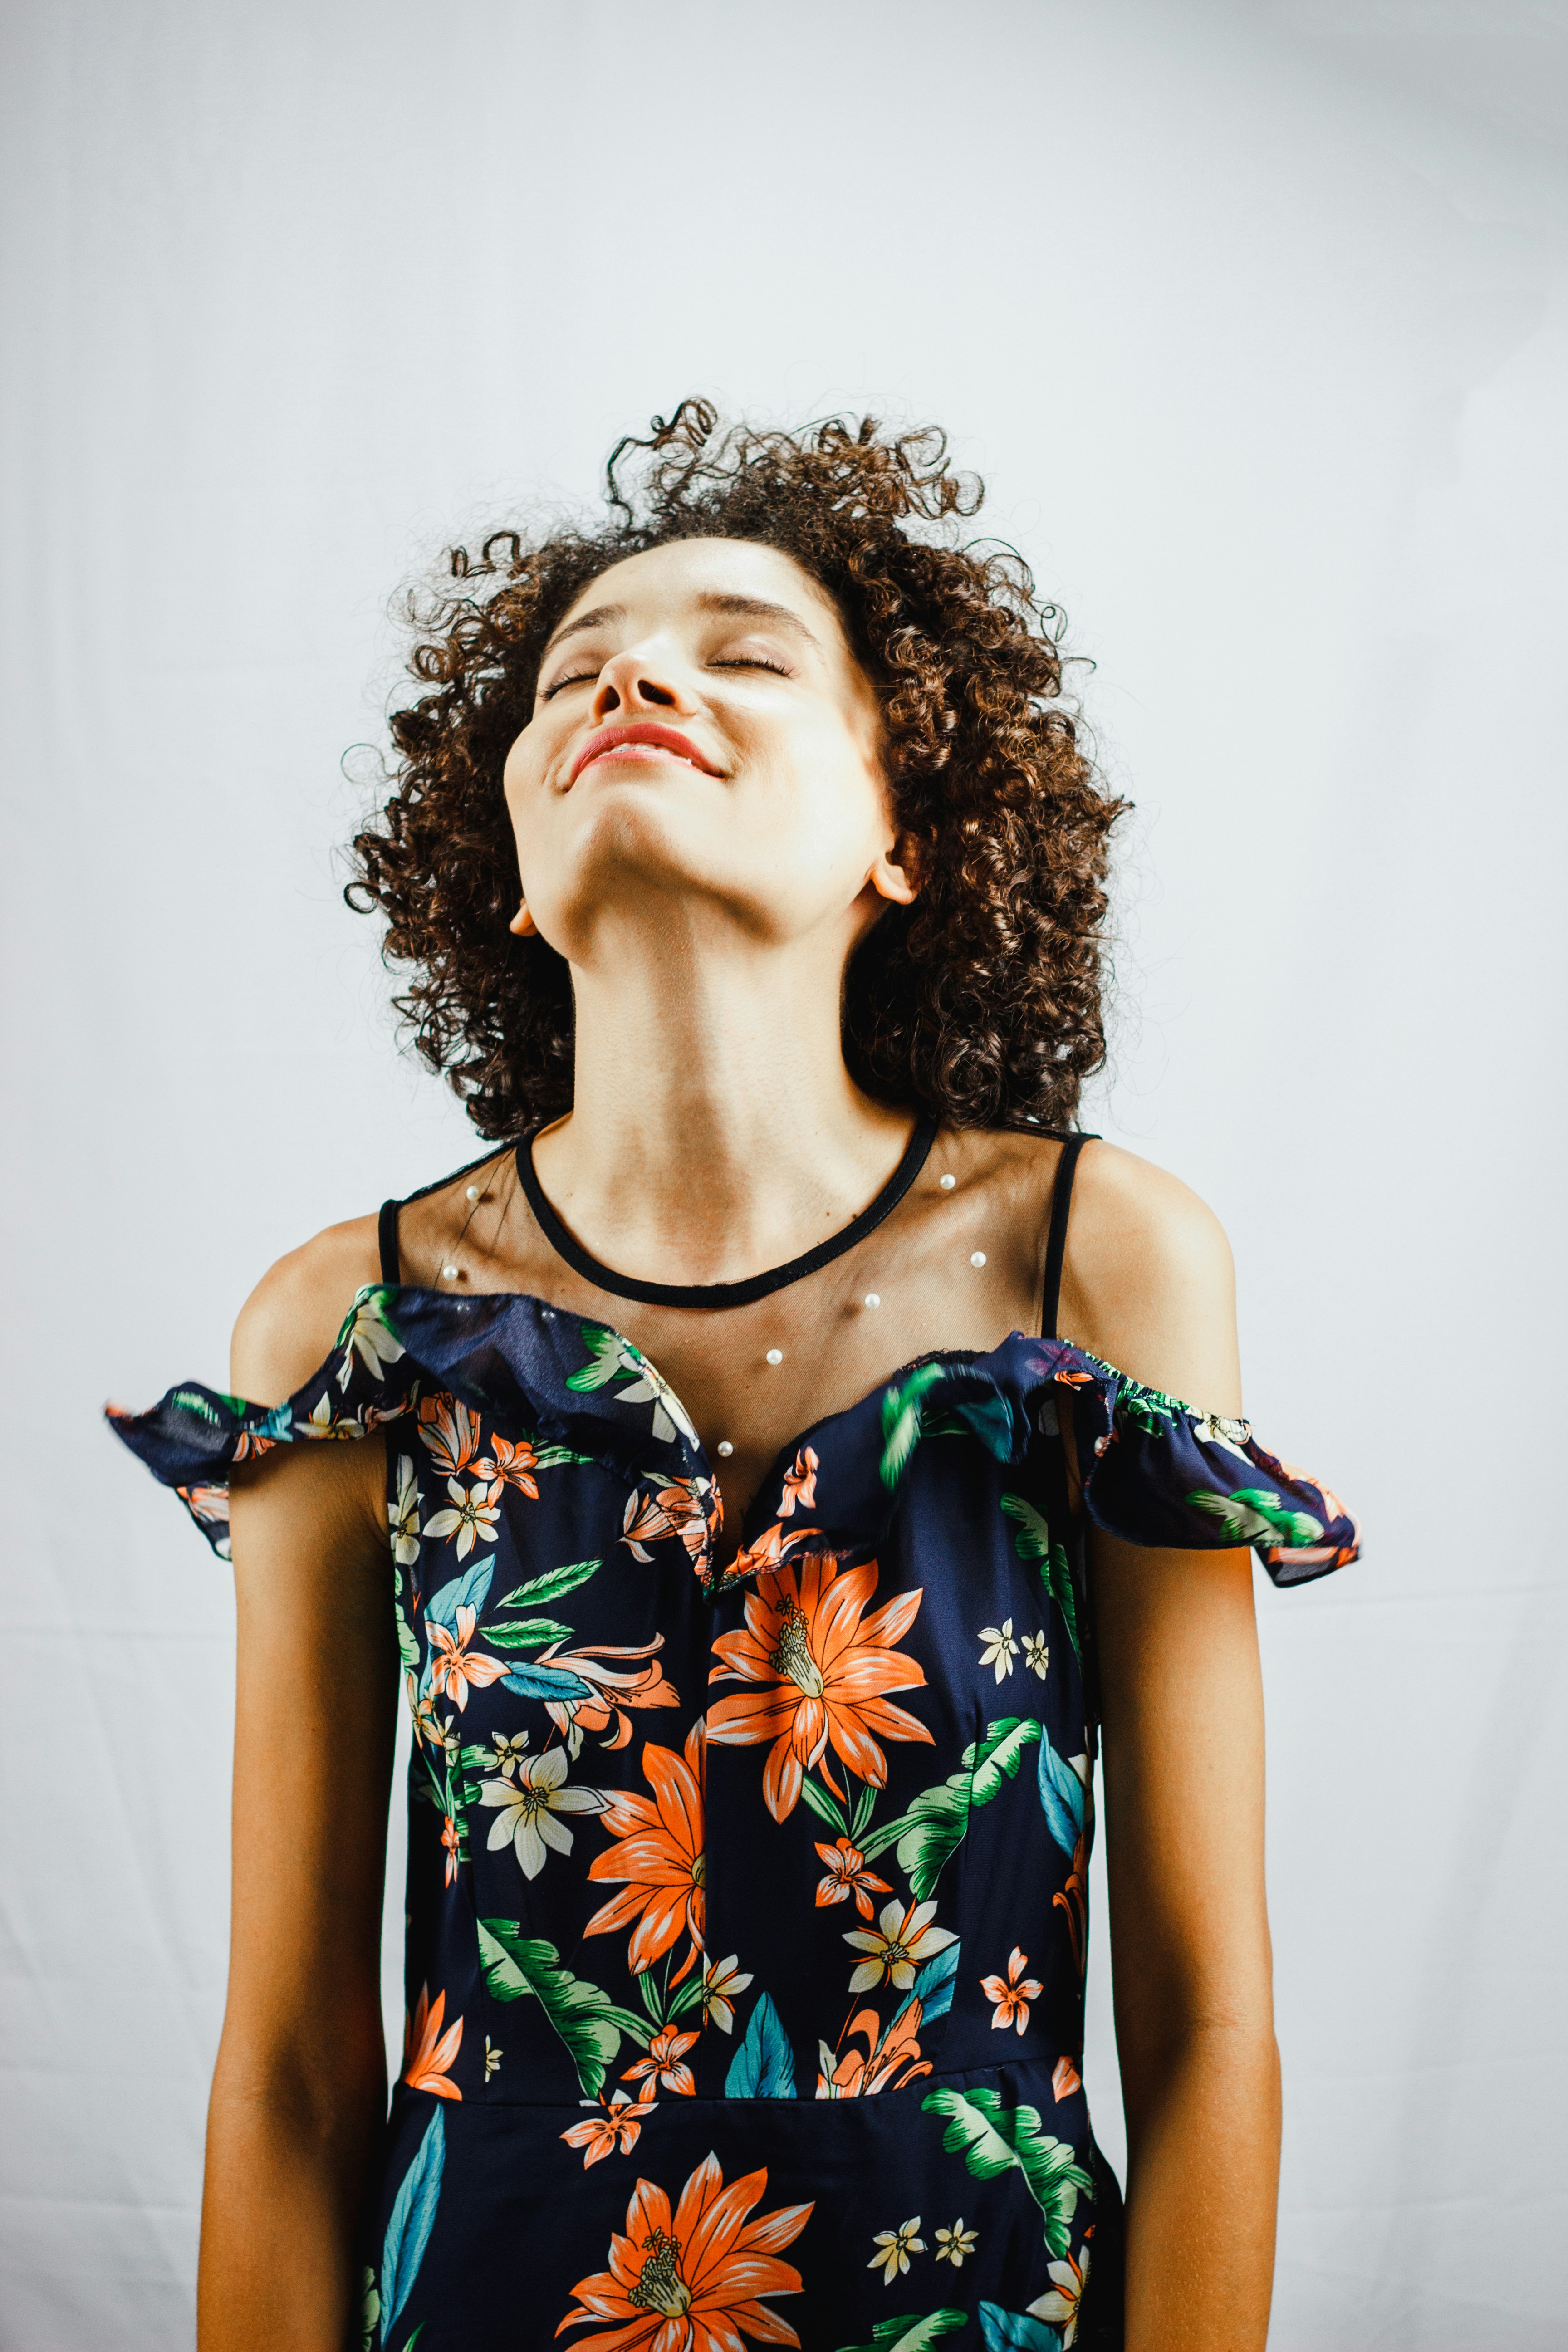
(522, 922)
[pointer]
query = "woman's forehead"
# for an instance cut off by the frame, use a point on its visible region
(664, 584)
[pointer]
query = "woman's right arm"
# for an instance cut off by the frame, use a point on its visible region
(299, 2089)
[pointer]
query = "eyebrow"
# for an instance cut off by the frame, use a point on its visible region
(756, 608)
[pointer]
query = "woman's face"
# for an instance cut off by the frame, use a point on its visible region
(702, 738)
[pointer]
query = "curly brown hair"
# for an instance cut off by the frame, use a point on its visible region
(982, 1003)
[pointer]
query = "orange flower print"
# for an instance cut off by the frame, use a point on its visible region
(666, 2064)
(451, 1434)
(823, 1676)
(1065, 2079)
(800, 1484)
(846, 1876)
(693, 2280)
(888, 2061)
(612, 1691)
(767, 1554)
(691, 1508)
(618, 2125)
(428, 2052)
(455, 1670)
(452, 1839)
(1073, 1901)
(659, 1853)
(1012, 1995)
(507, 1464)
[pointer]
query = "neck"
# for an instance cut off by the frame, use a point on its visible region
(715, 1130)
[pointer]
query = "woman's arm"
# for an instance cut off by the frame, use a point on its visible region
(1149, 1287)
(299, 2093)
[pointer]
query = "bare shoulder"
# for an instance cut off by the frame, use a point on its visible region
(288, 1324)
(1149, 1283)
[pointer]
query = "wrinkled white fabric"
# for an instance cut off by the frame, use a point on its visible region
(1255, 318)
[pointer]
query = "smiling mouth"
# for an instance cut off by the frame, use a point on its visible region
(639, 752)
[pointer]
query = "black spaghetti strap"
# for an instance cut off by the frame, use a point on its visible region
(1056, 1242)
(386, 1228)
(390, 1263)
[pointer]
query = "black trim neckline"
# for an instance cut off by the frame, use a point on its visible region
(712, 1295)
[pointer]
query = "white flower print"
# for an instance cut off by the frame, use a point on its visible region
(999, 1648)
(894, 2248)
(366, 1335)
(1214, 1429)
(952, 2245)
(1036, 1654)
(472, 1522)
(403, 1515)
(902, 1941)
(526, 1809)
(1060, 2307)
(722, 1980)
(493, 2057)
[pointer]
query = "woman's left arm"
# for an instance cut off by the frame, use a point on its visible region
(1149, 1287)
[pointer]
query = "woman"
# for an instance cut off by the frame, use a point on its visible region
(756, 1697)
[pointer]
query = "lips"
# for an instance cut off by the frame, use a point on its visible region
(644, 740)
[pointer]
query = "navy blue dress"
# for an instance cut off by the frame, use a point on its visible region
(748, 1904)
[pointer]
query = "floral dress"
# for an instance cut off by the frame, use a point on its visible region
(747, 1905)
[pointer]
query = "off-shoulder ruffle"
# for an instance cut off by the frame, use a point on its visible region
(1154, 1471)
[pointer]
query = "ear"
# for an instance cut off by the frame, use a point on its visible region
(897, 872)
(522, 922)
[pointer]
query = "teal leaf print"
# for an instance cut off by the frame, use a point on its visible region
(901, 1420)
(587, 2020)
(554, 1585)
(543, 1681)
(912, 2334)
(993, 2137)
(991, 1420)
(933, 1986)
(764, 2065)
(528, 1633)
(412, 2218)
(1064, 1796)
(934, 1828)
(465, 1592)
(1033, 1542)
(1253, 1514)
(1016, 2331)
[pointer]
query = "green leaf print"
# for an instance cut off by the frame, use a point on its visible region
(408, 1646)
(1254, 1515)
(558, 1457)
(588, 2021)
(1033, 1542)
(189, 1401)
(528, 1633)
(607, 1355)
(1152, 1409)
(931, 1832)
(912, 2334)
(991, 2138)
(823, 1806)
(555, 1583)
(901, 1420)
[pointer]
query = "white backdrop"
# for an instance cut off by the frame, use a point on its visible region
(1255, 318)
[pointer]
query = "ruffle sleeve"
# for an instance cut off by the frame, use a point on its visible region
(1154, 1471)
(193, 1436)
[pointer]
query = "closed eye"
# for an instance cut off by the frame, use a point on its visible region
(752, 661)
(578, 677)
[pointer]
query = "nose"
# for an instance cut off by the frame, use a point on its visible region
(636, 681)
